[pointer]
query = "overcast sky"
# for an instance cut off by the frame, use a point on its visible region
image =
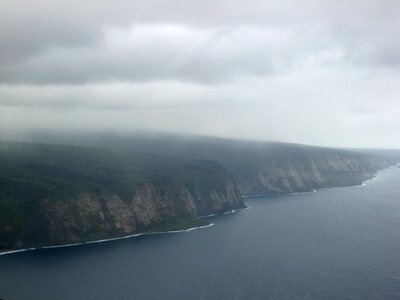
(314, 72)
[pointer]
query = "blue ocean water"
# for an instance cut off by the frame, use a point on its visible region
(339, 243)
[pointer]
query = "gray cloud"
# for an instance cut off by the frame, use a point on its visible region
(319, 72)
(160, 51)
(53, 42)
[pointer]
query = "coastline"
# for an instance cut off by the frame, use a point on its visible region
(314, 190)
(200, 217)
(128, 236)
(107, 240)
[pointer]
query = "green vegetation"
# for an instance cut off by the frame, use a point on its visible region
(258, 167)
(31, 174)
(33, 171)
(11, 220)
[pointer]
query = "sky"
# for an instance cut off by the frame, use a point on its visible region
(313, 72)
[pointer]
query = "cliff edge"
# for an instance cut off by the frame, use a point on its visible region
(53, 194)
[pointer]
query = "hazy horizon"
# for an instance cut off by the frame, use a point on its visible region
(321, 73)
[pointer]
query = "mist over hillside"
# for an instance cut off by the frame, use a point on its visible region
(258, 167)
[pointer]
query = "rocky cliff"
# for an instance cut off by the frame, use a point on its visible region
(49, 196)
(301, 174)
(88, 217)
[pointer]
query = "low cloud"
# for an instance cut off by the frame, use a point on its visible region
(320, 72)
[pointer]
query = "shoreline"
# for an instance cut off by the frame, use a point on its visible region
(200, 217)
(128, 236)
(107, 240)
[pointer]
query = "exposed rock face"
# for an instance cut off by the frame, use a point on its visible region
(57, 194)
(154, 204)
(299, 175)
(92, 217)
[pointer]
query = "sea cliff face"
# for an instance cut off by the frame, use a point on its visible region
(306, 174)
(54, 195)
(90, 217)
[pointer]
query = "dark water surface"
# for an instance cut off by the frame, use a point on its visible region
(340, 243)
